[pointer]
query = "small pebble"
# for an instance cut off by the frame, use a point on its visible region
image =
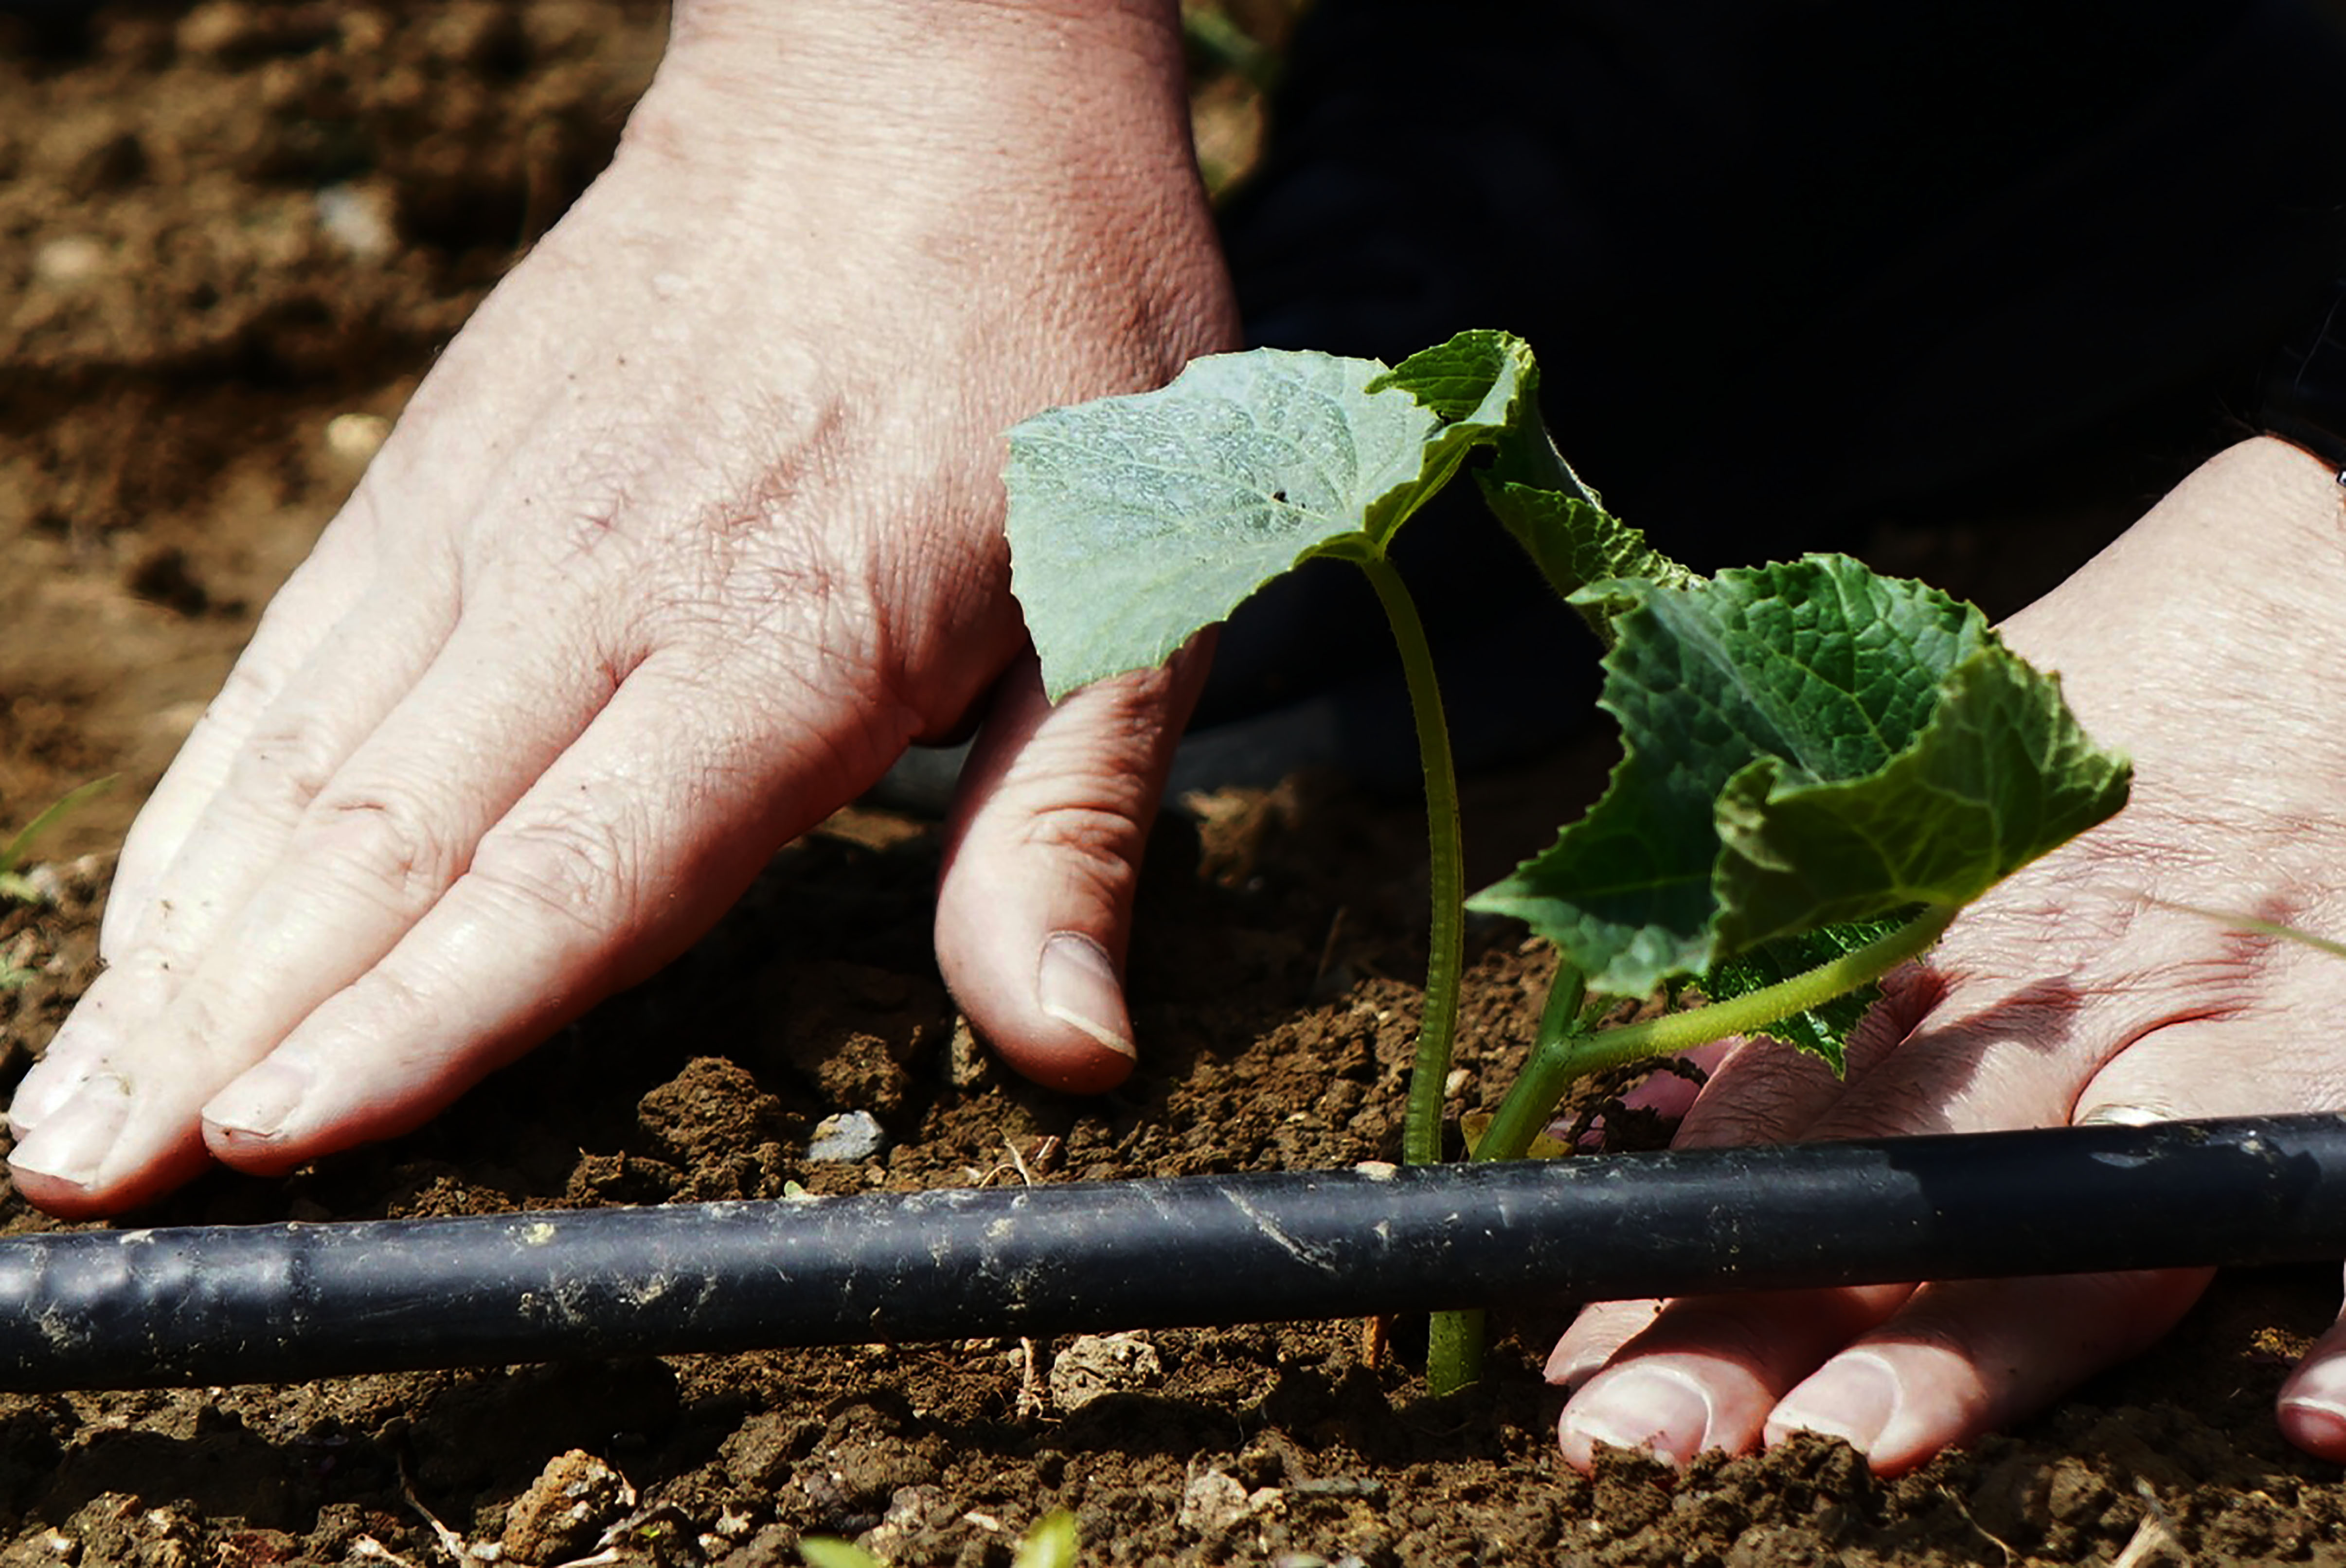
(846, 1137)
(1215, 1500)
(1096, 1365)
(69, 260)
(358, 220)
(356, 437)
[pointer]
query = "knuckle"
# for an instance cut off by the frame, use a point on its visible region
(571, 863)
(381, 839)
(251, 686)
(286, 765)
(1102, 836)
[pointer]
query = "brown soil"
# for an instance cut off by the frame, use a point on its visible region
(226, 229)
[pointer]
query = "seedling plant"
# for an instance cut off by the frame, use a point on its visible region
(1820, 766)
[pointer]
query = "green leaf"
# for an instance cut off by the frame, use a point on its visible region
(1821, 1031)
(1135, 521)
(1804, 744)
(1473, 383)
(1578, 545)
(828, 1551)
(13, 853)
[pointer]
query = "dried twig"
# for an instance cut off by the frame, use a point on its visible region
(450, 1541)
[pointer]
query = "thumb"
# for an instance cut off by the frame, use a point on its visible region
(1042, 858)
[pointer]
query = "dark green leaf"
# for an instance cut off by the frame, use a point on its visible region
(1821, 1031)
(1803, 744)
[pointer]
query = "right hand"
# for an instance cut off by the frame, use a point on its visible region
(687, 534)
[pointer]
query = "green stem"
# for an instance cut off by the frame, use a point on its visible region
(1446, 939)
(1547, 1072)
(1453, 1352)
(1563, 1055)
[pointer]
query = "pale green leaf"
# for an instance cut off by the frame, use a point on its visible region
(1135, 521)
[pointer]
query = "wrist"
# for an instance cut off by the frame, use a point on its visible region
(1036, 153)
(923, 85)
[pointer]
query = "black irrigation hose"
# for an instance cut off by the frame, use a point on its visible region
(272, 1303)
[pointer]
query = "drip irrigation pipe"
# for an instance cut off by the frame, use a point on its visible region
(214, 1305)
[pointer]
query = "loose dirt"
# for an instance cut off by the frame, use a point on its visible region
(231, 236)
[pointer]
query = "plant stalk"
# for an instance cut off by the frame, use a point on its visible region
(1445, 956)
(1453, 1352)
(1547, 1072)
(1563, 1054)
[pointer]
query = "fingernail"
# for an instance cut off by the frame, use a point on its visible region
(1568, 1369)
(1651, 1408)
(1853, 1398)
(2318, 1427)
(72, 1142)
(1076, 984)
(257, 1105)
(78, 1049)
(44, 1091)
(2122, 1116)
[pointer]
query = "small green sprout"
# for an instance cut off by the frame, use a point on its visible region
(1820, 766)
(14, 886)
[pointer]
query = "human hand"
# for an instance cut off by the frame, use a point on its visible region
(2205, 643)
(687, 534)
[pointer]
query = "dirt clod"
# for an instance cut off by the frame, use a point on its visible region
(566, 1509)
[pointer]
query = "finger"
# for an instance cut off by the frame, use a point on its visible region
(1965, 1357)
(2234, 1067)
(356, 676)
(320, 593)
(625, 851)
(2249, 1066)
(1707, 1370)
(1761, 1091)
(1962, 1360)
(1042, 857)
(622, 853)
(1758, 1091)
(2312, 1406)
(1595, 1338)
(378, 846)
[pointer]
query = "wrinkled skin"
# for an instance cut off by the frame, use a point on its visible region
(2204, 643)
(692, 529)
(697, 526)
